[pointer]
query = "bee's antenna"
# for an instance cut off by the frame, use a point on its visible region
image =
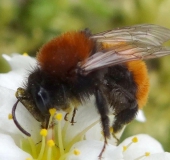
(16, 122)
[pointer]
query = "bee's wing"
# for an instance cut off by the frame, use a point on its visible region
(127, 44)
(145, 33)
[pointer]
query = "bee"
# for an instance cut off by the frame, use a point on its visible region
(108, 65)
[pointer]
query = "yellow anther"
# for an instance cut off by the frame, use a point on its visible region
(28, 159)
(124, 148)
(10, 116)
(147, 154)
(43, 132)
(76, 152)
(50, 143)
(111, 130)
(25, 54)
(52, 111)
(134, 139)
(59, 116)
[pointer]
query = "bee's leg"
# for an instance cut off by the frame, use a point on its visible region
(116, 138)
(65, 117)
(74, 113)
(103, 110)
(124, 117)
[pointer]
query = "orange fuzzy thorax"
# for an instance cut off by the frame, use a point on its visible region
(62, 54)
(140, 76)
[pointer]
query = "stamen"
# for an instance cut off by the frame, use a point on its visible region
(43, 133)
(64, 130)
(79, 135)
(145, 155)
(50, 144)
(33, 149)
(58, 117)
(28, 159)
(25, 54)
(76, 152)
(52, 111)
(134, 140)
(124, 148)
(10, 116)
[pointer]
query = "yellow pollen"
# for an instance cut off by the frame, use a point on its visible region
(134, 139)
(25, 54)
(28, 159)
(111, 130)
(76, 152)
(124, 148)
(147, 154)
(10, 116)
(59, 116)
(50, 143)
(43, 132)
(52, 111)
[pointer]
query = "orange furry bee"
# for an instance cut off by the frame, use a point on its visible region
(108, 65)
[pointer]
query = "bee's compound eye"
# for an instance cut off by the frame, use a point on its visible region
(42, 100)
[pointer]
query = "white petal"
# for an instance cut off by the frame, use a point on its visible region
(12, 80)
(9, 83)
(140, 116)
(18, 61)
(85, 116)
(21, 66)
(145, 144)
(158, 156)
(90, 150)
(9, 150)
(23, 116)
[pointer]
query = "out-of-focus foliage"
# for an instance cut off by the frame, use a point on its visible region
(26, 24)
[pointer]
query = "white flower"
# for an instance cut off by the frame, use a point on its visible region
(143, 147)
(81, 141)
(66, 135)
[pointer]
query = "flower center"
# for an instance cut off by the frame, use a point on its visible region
(52, 146)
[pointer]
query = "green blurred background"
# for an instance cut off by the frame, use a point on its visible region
(26, 24)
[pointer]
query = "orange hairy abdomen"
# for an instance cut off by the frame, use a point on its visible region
(140, 76)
